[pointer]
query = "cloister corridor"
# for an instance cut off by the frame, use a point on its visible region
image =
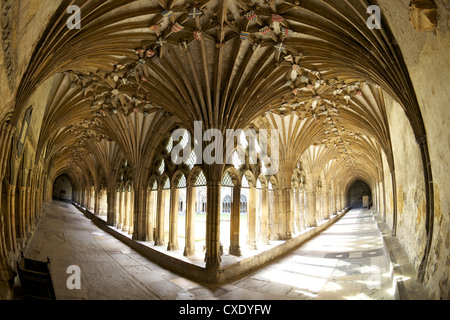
(346, 261)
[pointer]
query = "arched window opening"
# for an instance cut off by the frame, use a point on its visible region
(243, 204)
(152, 202)
(271, 209)
(181, 193)
(161, 167)
(258, 205)
(166, 208)
(226, 204)
(226, 192)
(199, 189)
(181, 207)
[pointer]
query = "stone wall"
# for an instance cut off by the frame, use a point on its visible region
(27, 21)
(427, 56)
(410, 184)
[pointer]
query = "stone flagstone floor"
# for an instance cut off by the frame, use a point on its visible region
(346, 261)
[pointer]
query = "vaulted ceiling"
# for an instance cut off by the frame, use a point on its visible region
(137, 69)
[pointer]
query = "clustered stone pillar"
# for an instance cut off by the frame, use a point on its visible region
(275, 232)
(235, 248)
(189, 249)
(291, 214)
(302, 207)
(151, 212)
(5, 241)
(128, 218)
(121, 205)
(11, 216)
(212, 255)
(139, 214)
(96, 202)
(265, 215)
(327, 206)
(160, 209)
(21, 214)
(173, 217)
(112, 207)
(312, 221)
(252, 218)
(297, 214)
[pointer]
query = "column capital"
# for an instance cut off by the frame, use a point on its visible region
(212, 183)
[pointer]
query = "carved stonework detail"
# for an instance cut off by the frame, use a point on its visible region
(423, 15)
(7, 45)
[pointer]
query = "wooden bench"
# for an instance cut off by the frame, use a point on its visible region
(35, 279)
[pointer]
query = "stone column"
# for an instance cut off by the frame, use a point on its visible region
(117, 209)
(312, 222)
(111, 206)
(88, 199)
(377, 188)
(338, 203)
(160, 207)
(327, 206)
(383, 201)
(265, 215)
(5, 143)
(189, 249)
(301, 210)
(150, 211)
(127, 211)
(10, 217)
(297, 210)
(212, 255)
(28, 226)
(39, 202)
(36, 207)
(81, 197)
(139, 215)
(282, 217)
(235, 215)
(121, 208)
(20, 211)
(96, 202)
(252, 218)
(32, 208)
(173, 219)
(5, 271)
(333, 203)
(275, 214)
(290, 213)
(318, 207)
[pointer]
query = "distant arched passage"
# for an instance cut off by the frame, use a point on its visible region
(356, 193)
(62, 188)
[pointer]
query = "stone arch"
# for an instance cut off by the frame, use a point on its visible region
(193, 174)
(234, 174)
(250, 177)
(164, 181)
(273, 182)
(177, 175)
(150, 182)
